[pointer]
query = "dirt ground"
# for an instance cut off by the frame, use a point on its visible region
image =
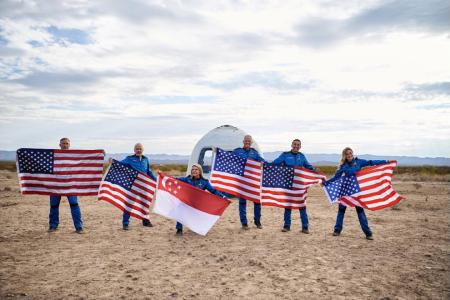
(409, 258)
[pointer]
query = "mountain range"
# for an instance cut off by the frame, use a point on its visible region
(315, 159)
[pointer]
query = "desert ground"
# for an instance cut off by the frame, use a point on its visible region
(408, 259)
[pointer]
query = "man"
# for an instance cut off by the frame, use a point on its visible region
(294, 158)
(139, 162)
(64, 144)
(247, 152)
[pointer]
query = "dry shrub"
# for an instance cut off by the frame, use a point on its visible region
(417, 186)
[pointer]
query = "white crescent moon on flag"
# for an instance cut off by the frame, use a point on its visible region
(164, 182)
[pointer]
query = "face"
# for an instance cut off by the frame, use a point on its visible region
(296, 145)
(64, 144)
(138, 150)
(349, 155)
(247, 142)
(195, 172)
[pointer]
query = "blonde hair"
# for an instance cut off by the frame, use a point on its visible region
(342, 161)
(198, 167)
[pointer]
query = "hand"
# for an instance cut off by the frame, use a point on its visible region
(110, 160)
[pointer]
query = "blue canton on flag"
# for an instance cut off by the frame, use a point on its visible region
(121, 175)
(277, 176)
(229, 163)
(344, 186)
(35, 161)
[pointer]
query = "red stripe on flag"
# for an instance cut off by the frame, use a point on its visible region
(55, 179)
(133, 198)
(58, 187)
(79, 151)
(77, 165)
(78, 158)
(217, 177)
(62, 193)
(121, 208)
(78, 172)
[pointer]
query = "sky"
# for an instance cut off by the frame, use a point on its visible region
(372, 75)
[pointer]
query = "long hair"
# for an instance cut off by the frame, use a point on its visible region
(342, 161)
(198, 167)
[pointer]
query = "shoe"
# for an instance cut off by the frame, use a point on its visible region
(245, 227)
(51, 229)
(369, 237)
(285, 229)
(179, 232)
(125, 227)
(258, 225)
(147, 224)
(305, 231)
(336, 233)
(79, 231)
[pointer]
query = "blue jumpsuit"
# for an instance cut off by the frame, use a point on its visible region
(74, 209)
(292, 159)
(202, 184)
(141, 164)
(253, 154)
(349, 169)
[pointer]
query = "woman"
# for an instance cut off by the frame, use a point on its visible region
(196, 179)
(348, 166)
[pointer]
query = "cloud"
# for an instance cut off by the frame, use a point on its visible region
(428, 89)
(70, 35)
(270, 80)
(392, 16)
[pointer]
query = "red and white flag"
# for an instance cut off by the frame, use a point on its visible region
(287, 187)
(59, 172)
(128, 189)
(369, 188)
(237, 176)
(195, 208)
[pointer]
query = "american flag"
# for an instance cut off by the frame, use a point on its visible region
(237, 176)
(128, 189)
(369, 188)
(59, 172)
(285, 186)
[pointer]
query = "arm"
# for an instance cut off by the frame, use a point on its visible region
(364, 162)
(212, 190)
(377, 162)
(150, 173)
(259, 158)
(307, 165)
(338, 174)
(279, 160)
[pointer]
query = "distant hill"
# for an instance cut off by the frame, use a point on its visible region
(315, 159)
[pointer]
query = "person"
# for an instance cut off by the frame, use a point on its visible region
(196, 179)
(295, 158)
(348, 166)
(55, 200)
(248, 152)
(141, 163)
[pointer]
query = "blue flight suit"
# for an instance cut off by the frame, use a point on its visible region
(292, 159)
(349, 169)
(141, 164)
(202, 184)
(253, 154)
(74, 210)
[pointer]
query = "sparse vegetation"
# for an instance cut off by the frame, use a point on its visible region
(416, 173)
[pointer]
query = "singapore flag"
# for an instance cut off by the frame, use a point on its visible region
(197, 209)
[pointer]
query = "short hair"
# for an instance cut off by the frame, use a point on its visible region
(248, 136)
(138, 144)
(297, 140)
(63, 139)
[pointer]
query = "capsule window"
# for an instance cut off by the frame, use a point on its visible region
(205, 159)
